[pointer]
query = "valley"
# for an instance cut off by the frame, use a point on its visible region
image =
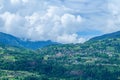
(93, 60)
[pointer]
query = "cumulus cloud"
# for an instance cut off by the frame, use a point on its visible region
(52, 25)
(59, 20)
(12, 23)
(65, 38)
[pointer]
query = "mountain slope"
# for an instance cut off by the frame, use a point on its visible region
(93, 60)
(106, 36)
(14, 41)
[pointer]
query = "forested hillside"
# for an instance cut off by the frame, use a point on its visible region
(93, 60)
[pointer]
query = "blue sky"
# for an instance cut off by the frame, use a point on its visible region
(65, 21)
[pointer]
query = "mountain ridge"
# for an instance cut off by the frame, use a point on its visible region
(106, 36)
(15, 41)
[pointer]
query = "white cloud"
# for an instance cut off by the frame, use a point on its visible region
(58, 20)
(15, 1)
(68, 19)
(25, 1)
(52, 24)
(13, 23)
(70, 38)
(113, 22)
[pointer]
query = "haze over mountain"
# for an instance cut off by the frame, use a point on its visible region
(14, 41)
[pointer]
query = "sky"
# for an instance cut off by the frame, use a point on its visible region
(64, 21)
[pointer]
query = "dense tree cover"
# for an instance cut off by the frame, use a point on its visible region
(93, 60)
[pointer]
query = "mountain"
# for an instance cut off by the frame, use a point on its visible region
(14, 41)
(92, 60)
(106, 36)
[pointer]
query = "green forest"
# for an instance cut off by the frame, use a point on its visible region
(93, 60)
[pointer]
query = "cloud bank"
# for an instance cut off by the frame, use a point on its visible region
(65, 21)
